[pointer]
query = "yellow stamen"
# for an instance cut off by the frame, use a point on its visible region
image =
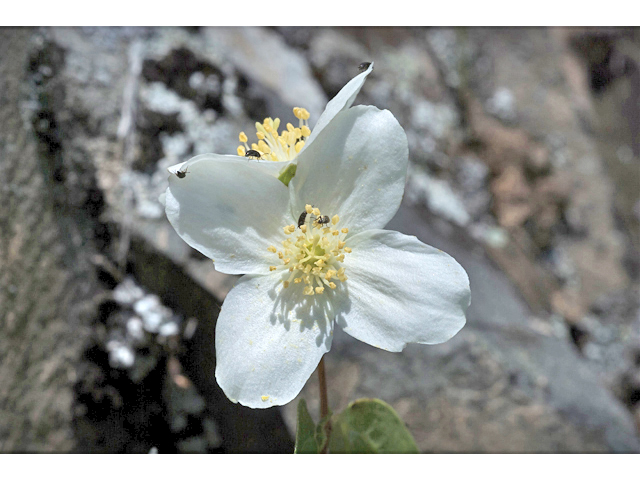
(313, 256)
(279, 147)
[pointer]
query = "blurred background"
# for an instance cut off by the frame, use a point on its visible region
(525, 166)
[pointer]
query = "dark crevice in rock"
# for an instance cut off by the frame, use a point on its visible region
(115, 415)
(190, 77)
(253, 101)
(151, 125)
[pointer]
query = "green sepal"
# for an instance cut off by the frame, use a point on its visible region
(305, 431)
(288, 173)
(310, 438)
(370, 425)
(321, 433)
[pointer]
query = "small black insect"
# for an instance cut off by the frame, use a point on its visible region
(253, 154)
(302, 218)
(182, 174)
(363, 66)
(323, 219)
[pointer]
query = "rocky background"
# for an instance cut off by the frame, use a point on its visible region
(525, 166)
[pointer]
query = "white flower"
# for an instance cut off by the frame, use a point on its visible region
(276, 150)
(303, 273)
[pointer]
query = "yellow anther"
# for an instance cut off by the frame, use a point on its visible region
(263, 147)
(347, 249)
(299, 146)
(286, 284)
(313, 254)
(345, 230)
(241, 151)
(272, 249)
(305, 131)
(304, 114)
(243, 137)
(290, 127)
(272, 268)
(260, 135)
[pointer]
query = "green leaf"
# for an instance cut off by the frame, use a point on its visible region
(369, 425)
(287, 173)
(305, 431)
(321, 433)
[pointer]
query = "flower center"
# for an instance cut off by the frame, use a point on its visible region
(315, 255)
(278, 147)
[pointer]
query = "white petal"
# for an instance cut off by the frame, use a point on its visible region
(267, 166)
(400, 290)
(269, 340)
(343, 100)
(227, 210)
(356, 168)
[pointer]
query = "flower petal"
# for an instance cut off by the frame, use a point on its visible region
(229, 210)
(343, 100)
(267, 166)
(269, 340)
(400, 290)
(356, 168)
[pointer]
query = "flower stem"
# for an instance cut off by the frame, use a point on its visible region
(324, 402)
